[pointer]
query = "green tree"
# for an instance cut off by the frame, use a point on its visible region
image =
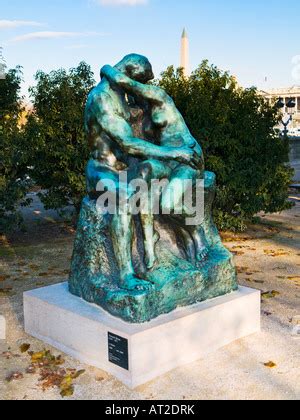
(13, 163)
(55, 132)
(235, 127)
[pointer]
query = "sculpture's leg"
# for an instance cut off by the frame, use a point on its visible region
(121, 227)
(122, 234)
(173, 199)
(188, 243)
(151, 237)
(200, 242)
(149, 170)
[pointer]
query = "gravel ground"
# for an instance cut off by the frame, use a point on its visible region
(267, 257)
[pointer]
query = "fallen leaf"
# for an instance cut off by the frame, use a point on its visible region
(296, 320)
(33, 266)
(242, 269)
(51, 377)
(7, 354)
(238, 253)
(234, 238)
(4, 277)
(6, 291)
(270, 295)
(14, 376)
(67, 392)
(66, 386)
(22, 263)
(294, 278)
(270, 365)
(266, 313)
(52, 374)
(78, 373)
(67, 381)
(278, 253)
(51, 269)
(31, 370)
(59, 360)
(36, 357)
(26, 274)
(24, 348)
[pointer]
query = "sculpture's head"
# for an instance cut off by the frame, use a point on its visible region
(137, 67)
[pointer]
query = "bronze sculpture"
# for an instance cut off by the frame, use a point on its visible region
(114, 263)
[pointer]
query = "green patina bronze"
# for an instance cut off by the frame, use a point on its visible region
(139, 267)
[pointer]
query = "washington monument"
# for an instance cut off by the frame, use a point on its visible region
(184, 63)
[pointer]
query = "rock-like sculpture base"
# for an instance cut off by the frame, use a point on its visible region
(94, 274)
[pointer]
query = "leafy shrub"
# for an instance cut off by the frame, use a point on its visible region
(235, 128)
(13, 162)
(55, 132)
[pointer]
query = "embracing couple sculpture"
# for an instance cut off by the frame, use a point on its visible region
(110, 266)
(175, 156)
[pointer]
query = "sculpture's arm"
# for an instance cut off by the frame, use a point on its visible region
(148, 92)
(120, 131)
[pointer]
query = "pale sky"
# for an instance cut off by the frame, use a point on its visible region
(253, 40)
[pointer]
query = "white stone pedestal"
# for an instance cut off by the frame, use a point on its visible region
(149, 350)
(2, 328)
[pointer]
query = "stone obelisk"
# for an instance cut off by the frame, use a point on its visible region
(184, 63)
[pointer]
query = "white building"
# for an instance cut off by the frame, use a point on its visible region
(287, 94)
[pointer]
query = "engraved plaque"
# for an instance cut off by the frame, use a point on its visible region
(118, 351)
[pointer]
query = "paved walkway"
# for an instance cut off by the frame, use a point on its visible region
(267, 257)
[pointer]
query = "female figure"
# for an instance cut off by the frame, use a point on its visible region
(165, 124)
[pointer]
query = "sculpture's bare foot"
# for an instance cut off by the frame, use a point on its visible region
(150, 261)
(201, 246)
(201, 257)
(150, 256)
(133, 283)
(202, 254)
